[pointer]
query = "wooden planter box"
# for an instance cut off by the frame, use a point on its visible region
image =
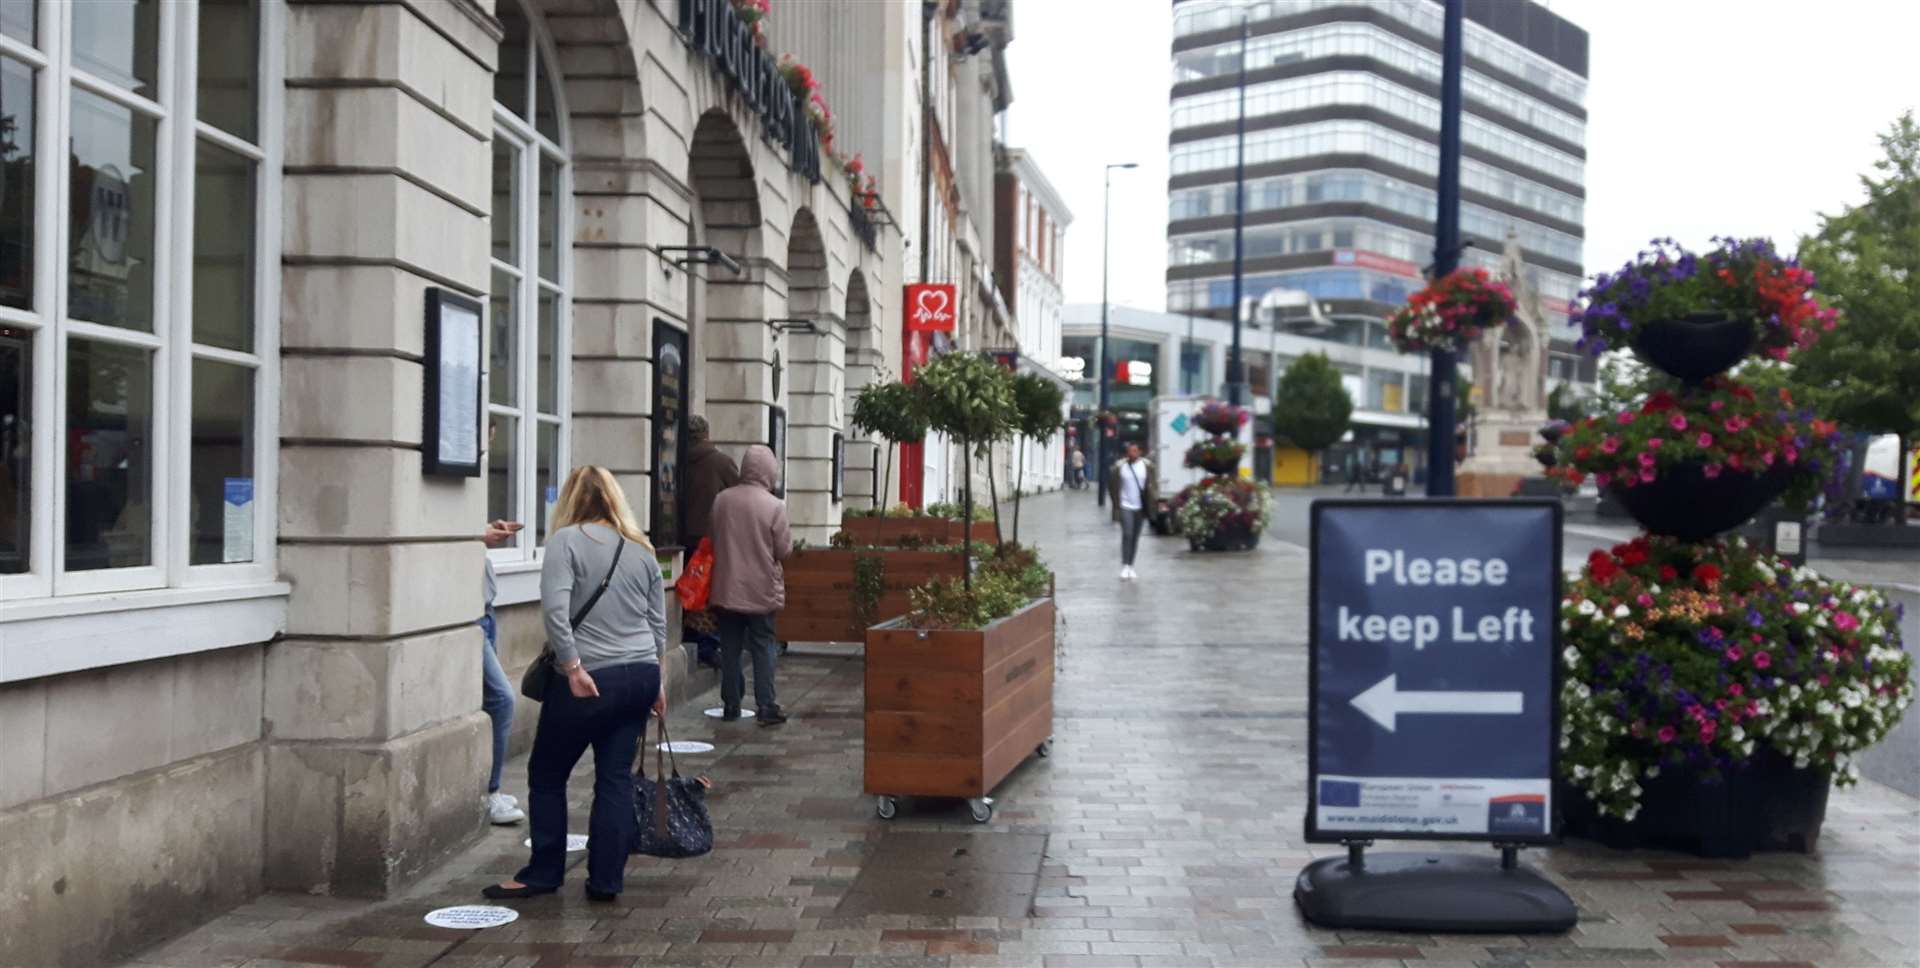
(820, 590)
(951, 713)
(891, 532)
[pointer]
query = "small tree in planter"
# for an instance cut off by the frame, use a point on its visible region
(971, 398)
(1037, 402)
(890, 411)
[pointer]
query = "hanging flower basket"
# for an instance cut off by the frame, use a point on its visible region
(1220, 419)
(1695, 464)
(1451, 312)
(1219, 455)
(1743, 281)
(1702, 663)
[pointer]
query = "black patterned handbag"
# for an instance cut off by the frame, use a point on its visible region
(672, 811)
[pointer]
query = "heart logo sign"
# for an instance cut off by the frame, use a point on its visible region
(930, 308)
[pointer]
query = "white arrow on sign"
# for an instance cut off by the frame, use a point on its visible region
(1383, 702)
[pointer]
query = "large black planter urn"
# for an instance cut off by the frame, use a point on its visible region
(1226, 539)
(1683, 502)
(1222, 467)
(1763, 804)
(1695, 346)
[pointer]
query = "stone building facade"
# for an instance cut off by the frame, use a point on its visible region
(1030, 235)
(237, 639)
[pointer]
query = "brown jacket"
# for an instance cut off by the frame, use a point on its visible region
(750, 539)
(1147, 493)
(708, 472)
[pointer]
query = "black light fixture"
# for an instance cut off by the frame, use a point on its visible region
(705, 255)
(794, 326)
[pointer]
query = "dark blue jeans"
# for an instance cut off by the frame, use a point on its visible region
(752, 633)
(613, 723)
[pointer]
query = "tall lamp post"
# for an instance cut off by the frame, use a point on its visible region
(1236, 366)
(1446, 255)
(1106, 362)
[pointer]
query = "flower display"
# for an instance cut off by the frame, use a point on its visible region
(1221, 505)
(1722, 425)
(753, 13)
(1221, 455)
(1220, 417)
(1741, 279)
(799, 77)
(1692, 656)
(1451, 311)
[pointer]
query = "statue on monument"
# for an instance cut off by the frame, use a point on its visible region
(1509, 362)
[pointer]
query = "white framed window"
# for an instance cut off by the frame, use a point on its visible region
(139, 229)
(529, 309)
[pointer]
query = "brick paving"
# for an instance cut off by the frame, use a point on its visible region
(1169, 814)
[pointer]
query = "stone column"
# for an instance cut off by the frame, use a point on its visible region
(377, 749)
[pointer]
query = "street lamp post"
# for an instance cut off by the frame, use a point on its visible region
(1106, 363)
(1446, 255)
(1236, 366)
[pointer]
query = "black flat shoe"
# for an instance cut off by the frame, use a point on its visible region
(771, 716)
(500, 892)
(597, 897)
(730, 715)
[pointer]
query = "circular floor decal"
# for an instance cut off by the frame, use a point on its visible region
(718, 711)
(575, 843)
(472, 916)
(687, 746)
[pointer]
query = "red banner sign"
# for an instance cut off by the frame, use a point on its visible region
(1368, 260)
(931, 308)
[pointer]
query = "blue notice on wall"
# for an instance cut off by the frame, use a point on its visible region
(1433, 665)
(237, 523)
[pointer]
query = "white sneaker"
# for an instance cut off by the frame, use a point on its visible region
(503, 809)
(1131, 574)
(1123, 572)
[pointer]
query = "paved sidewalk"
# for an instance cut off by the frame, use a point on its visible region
(1164, 831)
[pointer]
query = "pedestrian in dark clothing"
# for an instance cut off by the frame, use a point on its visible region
(608, 657)
(708, 471)
(1353, 476)
(750, 539)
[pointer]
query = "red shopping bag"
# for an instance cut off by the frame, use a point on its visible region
(697, 579)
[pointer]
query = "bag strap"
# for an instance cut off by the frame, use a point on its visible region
(594, 599)
(660, 781)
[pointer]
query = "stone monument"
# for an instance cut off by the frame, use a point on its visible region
(1510, 370)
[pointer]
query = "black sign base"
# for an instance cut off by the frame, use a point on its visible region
(1431, 893)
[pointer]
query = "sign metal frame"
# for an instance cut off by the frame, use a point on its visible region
(1313, 833)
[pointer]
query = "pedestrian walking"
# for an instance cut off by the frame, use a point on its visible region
(1353, 475)
(1079, 468)
(750, 540)
(604, 606)
(1130, 487)
(496, 693)
(708, 471)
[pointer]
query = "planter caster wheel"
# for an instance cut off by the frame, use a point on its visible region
(982, 809)
(885, 807)
(783, 648)
(1045, 749)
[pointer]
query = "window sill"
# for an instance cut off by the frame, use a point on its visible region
(516, 584)
(51, 636)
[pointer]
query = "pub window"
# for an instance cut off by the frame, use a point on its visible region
(136, 268)
(528, 307)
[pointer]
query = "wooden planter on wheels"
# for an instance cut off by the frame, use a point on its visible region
(820, 603)
(894, 532)
(950, 713)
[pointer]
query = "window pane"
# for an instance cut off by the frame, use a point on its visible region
(546, 486)
(549, 219)
(503, 481)
(510, 78)
(222, 502)
(17, 20)
(546, 117)
(16, 183)
(111, 213)
(547, 376)
(503, 351)
(506, 214)
(118, 41)
(229, 63)
(222, 248)
(109, 456)
(16, 449)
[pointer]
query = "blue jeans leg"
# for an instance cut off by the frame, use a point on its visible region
(765, 651)
(610, 829)
(733, 638)
(496, 697)
(563, 734)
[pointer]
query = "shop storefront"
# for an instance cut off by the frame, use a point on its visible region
(239, 564)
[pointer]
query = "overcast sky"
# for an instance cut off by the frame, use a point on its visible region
(1705, 117)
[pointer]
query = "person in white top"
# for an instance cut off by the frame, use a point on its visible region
(1131, 485)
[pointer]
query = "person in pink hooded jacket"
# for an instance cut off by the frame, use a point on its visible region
(750, 540)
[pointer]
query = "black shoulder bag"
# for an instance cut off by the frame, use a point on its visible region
(540, 676)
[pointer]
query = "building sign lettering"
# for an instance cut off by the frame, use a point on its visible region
(714, 29)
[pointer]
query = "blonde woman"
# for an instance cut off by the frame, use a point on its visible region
(609, 659)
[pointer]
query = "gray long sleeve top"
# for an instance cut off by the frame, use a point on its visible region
(630, 622)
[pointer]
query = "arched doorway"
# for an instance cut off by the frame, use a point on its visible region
(732, 341)
(814, 342)
(865, 365)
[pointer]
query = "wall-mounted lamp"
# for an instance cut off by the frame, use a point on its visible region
(705, 255)
(794, 326)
